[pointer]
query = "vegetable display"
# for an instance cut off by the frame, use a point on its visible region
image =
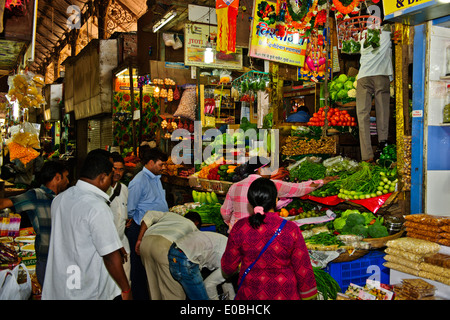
(342, 89)
(210, 214)
(334, 116)
(307, 170)
(364, 224)
(300, 146)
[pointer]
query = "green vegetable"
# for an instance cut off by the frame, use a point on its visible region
(348, 85)
(377, 230)
(342, 78)
(341, 94)
(360, 230)
(339, 223)
(307, 170)
(324, 238)
(326, 285)
(355, 219)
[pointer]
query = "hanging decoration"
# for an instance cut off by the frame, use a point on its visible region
(345, 7)
(226, 11)
(300, 16)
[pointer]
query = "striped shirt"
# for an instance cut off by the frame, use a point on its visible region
(37, 204)
(236, 204)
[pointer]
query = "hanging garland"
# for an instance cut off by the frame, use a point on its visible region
(301, 15)
(346, 6)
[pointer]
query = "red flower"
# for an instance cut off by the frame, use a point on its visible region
(126, 97)
(146, 99)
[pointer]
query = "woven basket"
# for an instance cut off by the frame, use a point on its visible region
(376, 243)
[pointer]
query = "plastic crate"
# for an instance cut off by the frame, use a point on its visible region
(359, 270)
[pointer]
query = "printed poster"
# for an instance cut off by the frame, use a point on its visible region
(196, 38)
(266, 44)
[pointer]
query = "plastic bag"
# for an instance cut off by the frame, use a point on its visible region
(225, 76)
(417, 246)
(373, 38)
(10, 288)
(428, 219)
(188, 104)
(351, 46)
(23, 142)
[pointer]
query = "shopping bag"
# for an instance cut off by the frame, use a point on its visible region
(10, 289)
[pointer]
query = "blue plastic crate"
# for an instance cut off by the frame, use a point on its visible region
(359, 270)
(211, 228)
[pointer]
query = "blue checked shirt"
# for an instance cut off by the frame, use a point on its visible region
(37, 204)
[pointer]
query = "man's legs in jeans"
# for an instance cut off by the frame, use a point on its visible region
(188, 274)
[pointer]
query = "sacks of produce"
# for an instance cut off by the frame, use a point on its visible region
(188, 104)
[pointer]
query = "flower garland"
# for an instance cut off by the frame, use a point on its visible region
(310, 13)
(350, 8)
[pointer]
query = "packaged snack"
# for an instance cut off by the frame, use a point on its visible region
(443, 272)
(405, 254)
(424, 232)
(438, 259)
(422, 226)
(402, 261)
(428, 219)
(188, 104)
(401, 268)
(414, 245)
(421, 236)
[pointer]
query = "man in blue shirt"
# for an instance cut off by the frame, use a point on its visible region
(145, 192)
(302, 115)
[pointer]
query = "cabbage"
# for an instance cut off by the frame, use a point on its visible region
(348, 85)
(338, 86)
(341, 94)
(339, 223)
(342, 78)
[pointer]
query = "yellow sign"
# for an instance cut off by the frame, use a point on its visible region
(196, 38)
(265, 42)
(390, 6)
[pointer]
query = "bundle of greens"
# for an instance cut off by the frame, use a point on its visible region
(373, 38)
(307, 170)
(326, 285)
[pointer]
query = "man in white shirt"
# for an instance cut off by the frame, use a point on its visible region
(374, 77)
(118, 193)
(195, 251)
(158, 231)
(84, 260)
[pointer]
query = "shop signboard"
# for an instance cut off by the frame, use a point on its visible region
(196, 38)
(265, 42)
(414, 12)
(400, 5)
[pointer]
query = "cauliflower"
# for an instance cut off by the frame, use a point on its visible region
(351, 93)
(355, 83)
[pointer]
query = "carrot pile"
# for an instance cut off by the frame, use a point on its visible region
(280, 174)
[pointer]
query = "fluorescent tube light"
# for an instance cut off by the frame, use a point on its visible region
(161, 23)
